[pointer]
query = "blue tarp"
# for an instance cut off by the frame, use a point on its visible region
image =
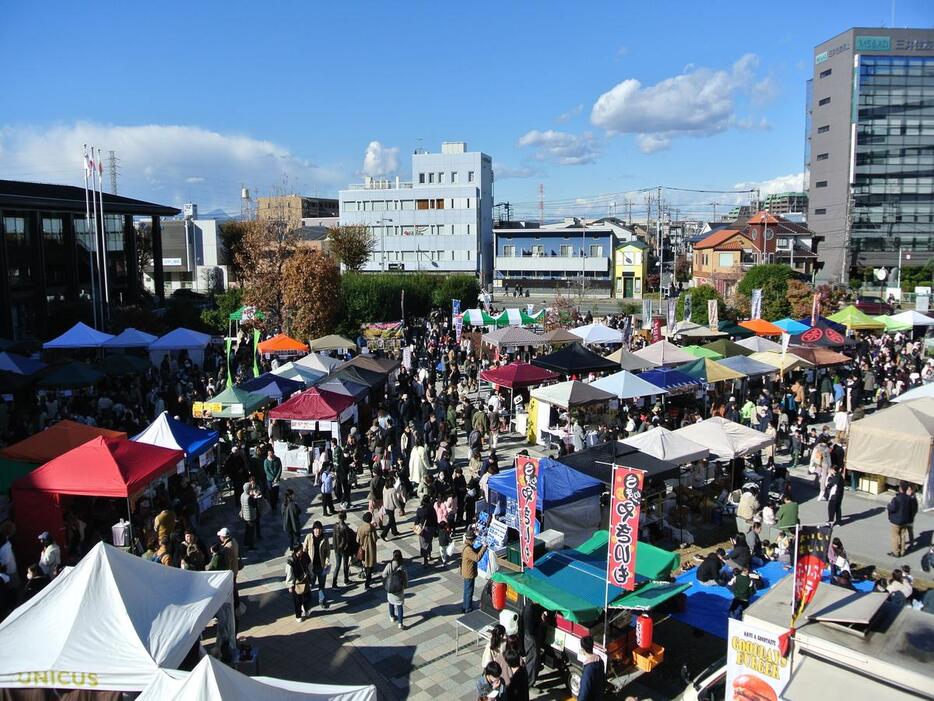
(557, 484)
(168, 432)
(79, 336)
(274, 386)
(707, 607)
(669, 379)
(130, 338)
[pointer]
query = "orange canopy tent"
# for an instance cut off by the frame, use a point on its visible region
(761, 327)
(55, 440)
(280, 343)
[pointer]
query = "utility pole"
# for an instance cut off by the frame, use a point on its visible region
(113, 173)
(661, 252)
(846, 234)
(629, 207)
(541, 203)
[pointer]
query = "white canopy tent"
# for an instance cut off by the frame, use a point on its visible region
(665, 353)
(725, 438)
(318, 361)
(663, 444)
(212, 680)
(915, 318)
(109, 623)
(759, 344)
(571, 393)
(597, 333)
(625, 385)
(916, 393)
(178, 340)
(302, 373)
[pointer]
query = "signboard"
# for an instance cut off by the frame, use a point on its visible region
(303, 425)
(236, 410)
(657, 329)
(923, 303)
(755, 666)
(407, 357)
(387, 335)
(625, 504)
(166, 262)
(873, 43)
(671, 314)
(205, 410)
(713, 314)
(496, 534)
(811, 544)
(458, 326)
(688, 304)
(527, 493)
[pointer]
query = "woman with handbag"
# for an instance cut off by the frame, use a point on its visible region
(366, 546)
(297, 575)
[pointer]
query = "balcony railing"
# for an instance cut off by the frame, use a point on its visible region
(380, 185)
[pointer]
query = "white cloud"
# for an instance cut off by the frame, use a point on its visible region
(793, 182)
(565, 117)
(561, 147)
(698, 102)
(157, 160)
(380, 160)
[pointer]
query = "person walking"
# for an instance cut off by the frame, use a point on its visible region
(426, 523)
(366, 547)
(297, 576)
(230, 551)
(272, 468)
(787, 517)
(469, 560)
(249, 512)
(900, 518)
(393, 503)
(345, 545)
(318, 549)
(593, 675)
(291, 518)
(912, 512)
(835, 496)
(395, 582)
(327, 490)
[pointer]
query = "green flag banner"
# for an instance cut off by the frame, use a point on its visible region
(255, 352)
(229, 378)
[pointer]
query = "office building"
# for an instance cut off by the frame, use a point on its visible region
(783, 203)
(568, 257)
(870, 148)
(45, 252)
(294, 208)
(193, 255)
(440, 222)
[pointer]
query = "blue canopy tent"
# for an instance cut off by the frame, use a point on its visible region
(568, 500)
(20, 365)
(78, 336)
(272, 386)
(748, 366)
(790, 326)
(168, 432)
(671, 380)
(131, 338)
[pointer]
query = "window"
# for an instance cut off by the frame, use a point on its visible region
(509, 251)
(14, 228)
(421, 178)
(431, 177)
(469, 176)
(725, 260)
(439, 204)
(824, 129)
(421, 204)
(408, 255)
(52, 230)
(824, 101)
(565, 251)
(820, 210)
(379, 205)
(350, 206)
(825, 74)
(461, 255)
(596, 251)
(407, 204)
(823, 156)
(538, 250)
(454, 177)
(440, 178)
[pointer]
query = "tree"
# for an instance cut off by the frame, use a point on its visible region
(683, 269)
(311, 289)
(800, 297)
(143, 250)
(462, 287)
(772, 279)
(231, 234)
(351, 245)
(267, 245)
(225, 304)
(562, 314)
(700, 295)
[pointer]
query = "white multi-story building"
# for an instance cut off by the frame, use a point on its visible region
(441, 222)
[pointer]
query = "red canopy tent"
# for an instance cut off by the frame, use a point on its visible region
(102, 467)
(312, 405)
(516, 375)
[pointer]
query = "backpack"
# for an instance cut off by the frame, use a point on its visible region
(394, 582)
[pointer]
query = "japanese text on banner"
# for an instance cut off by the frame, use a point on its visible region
(527, 493)
(625, 504)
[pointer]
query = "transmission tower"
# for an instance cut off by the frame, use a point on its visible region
(113, 172)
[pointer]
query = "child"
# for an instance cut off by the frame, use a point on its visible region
(327, 490)
(444, 540)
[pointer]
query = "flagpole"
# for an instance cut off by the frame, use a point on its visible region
(100, 185)
(87, 221)
(93, 237)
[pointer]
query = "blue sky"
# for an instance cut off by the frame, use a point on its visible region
(584, 98)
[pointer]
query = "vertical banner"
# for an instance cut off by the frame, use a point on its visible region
(922, 303)
(713, 314)
(672, 304)
(528, 309)
(815, 308)
(527, 499)
(756, 304)
(255, 352)
(458, 326)
(627, 330)
(455, 307)
(625, 504)
(229, 377)
(407, 357)
(755, 666)
(811, 544)
(657, 323)
(688, 304)
(786, 339)
(646, 313)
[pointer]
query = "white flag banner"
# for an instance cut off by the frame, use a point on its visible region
(671, 314)
(713, 314)
(646, 313)
(756, 304)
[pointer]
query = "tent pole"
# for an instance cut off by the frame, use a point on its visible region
(129, 515)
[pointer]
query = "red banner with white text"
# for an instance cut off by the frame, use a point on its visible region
(527, 493)
(625, 504)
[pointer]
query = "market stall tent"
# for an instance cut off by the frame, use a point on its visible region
(512, 337)
(301, 373)
(790, 326)
(332, 342)
(668, 445)
(726, 438)
(727, 349)
(856, 320)
(212, 680)
(709, 371)
(761, 327)
(822, 334)
(598, 461)
(478, 317)
(758, 344)
(786, 362)
(376, 363)
(731, 328)
(237, 403)
(280, 344)
(130, 338)
(597, 333)
(671, 380)
(748, 366)
(78, 336)
(574, 359)
(570, 394)
(914, 318)
(56, 440)
(72, 375)
(273, 386)
(20, 365)
(168, 432)
(122, 364)
(664, 353)
(701, 352)
(109, 623)
(629, 361)
(313, 404)
(319, 362)
(181, 339)
(915, 393)
(516, 375)
(625, 385)
(892, 325)
(558, 336)
(343, 386)
(819, 356)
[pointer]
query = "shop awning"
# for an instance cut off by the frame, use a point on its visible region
(649, 596)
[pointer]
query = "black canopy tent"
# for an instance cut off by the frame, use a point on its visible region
(597, 462)
(575, 359)
(361, 376)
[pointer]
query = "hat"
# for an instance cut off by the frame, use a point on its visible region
(224, 532)
(45, 536)
(510, 621)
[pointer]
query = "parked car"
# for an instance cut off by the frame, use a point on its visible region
(874, 306)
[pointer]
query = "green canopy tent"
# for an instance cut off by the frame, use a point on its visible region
(120, 364)
(701, 352)
(71, 375)
(572, 581)
(478, 317)
(734, 329)
(856, 320)
(892, 324)
(727, 349)
(237, 403)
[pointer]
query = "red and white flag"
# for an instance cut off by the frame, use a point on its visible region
(625, 504)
